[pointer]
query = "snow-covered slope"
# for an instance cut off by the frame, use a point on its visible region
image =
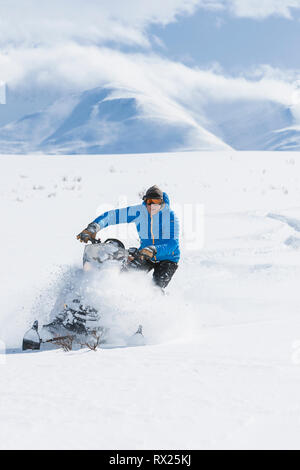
(105, 120)
(117, 120)
(287, 139)
(251, 125)
(220, 368)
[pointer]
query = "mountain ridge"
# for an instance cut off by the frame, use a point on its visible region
(97, 122)
(111, 120)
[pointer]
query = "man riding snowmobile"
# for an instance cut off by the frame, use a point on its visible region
(158, 229)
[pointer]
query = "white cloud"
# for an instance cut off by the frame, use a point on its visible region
(75, 67)
(263, 8)
(257, 9)
(2, 93)
(39, 22)
(36, 22)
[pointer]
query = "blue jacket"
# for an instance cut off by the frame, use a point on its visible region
(160, 230)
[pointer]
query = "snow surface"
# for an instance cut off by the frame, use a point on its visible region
(221, 363)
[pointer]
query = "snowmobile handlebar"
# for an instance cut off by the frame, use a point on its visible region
(95, 241)
(133, 256)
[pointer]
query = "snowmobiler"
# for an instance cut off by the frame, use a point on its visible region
(158, 229)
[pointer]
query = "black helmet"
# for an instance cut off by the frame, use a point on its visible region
(153, 193)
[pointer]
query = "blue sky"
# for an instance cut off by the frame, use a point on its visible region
(235, 43)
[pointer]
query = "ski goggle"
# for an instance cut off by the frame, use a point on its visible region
(153, 201)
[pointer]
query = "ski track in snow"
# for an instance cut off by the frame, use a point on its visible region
(294, 223)
(220, 368)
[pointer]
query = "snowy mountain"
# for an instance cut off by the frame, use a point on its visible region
(104, 120)
(287, 139)
(107, 120)
(251, 125)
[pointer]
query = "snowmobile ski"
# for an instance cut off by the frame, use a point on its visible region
(32, 338)
(33, 341)
(139, 330)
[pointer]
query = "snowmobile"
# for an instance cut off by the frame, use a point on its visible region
(77, 322)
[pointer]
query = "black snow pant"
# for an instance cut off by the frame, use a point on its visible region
(163, 272)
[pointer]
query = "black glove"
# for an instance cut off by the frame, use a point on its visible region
(89, 233)
(141, 259)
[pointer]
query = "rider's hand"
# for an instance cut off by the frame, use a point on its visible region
(86, 236)
(147, 252)
(89, 233)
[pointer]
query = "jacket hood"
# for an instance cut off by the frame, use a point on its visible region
(166, 199)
